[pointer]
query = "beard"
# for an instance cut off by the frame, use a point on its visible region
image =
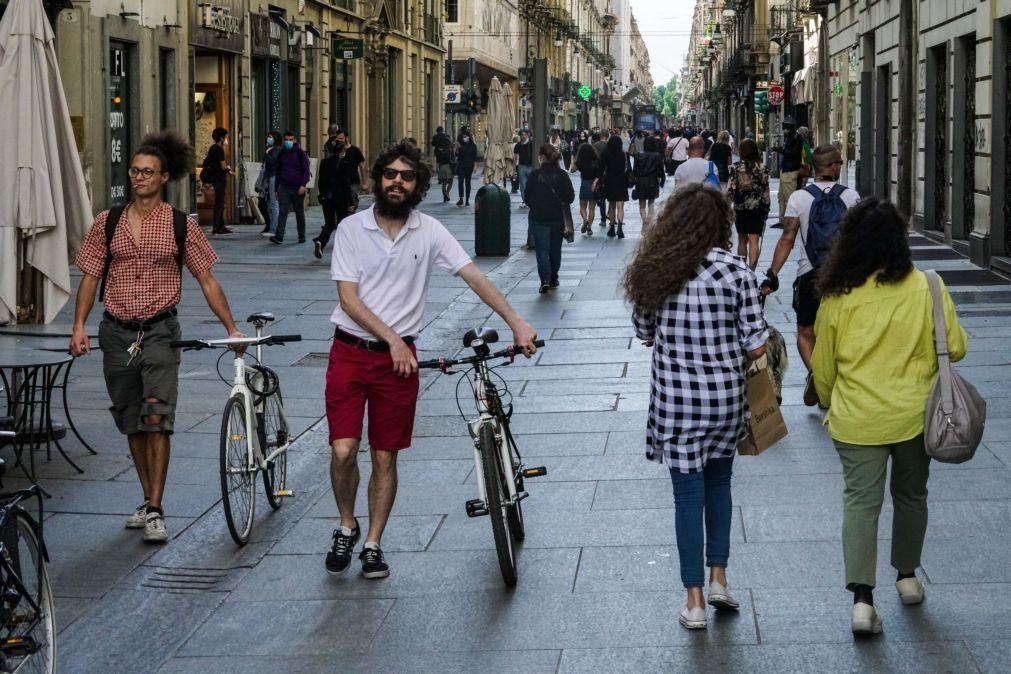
(398, 207)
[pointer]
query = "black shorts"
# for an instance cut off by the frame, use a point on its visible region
(805, 299)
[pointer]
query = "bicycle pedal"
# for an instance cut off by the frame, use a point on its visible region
(476, 508)
(18, 646)
(284, 492)
(539, 471)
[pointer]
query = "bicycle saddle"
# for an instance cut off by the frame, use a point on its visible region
(486, 335)
(261, 317)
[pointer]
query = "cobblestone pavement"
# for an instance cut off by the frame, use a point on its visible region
(598, 586)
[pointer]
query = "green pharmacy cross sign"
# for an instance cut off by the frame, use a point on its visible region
(585, 91)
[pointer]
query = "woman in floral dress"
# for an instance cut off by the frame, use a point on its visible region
(749, 193)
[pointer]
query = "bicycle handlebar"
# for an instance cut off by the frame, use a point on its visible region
(267, 340)
(445, 363)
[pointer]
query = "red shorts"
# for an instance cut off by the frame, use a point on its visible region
(355, 377)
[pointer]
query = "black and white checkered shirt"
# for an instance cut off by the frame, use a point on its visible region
(698, 406)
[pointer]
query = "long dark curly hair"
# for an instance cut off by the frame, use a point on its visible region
(413, 157)
(871, 239)
(694, 220)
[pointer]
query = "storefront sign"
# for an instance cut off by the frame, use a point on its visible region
(219, 26)
(347, 48)
(278, 42)
(220, 19)
(119, 150)
(585, 92)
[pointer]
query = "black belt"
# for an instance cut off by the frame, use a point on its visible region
(141, 325)
(366, 344)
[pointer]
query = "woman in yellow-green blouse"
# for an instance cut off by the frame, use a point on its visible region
(874, 363)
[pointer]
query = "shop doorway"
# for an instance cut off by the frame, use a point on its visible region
(212, 108)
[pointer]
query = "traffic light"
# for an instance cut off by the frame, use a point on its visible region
(762, 101)
(472, 102)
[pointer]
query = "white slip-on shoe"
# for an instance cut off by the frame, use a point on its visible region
(911, 591)
(693, 618)
(720, 599)
(865, 619)
(136, 520)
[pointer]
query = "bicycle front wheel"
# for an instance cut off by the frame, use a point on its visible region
(31, 621)
(274, 433)
(237, 471)
(497, 506)
(516, 525)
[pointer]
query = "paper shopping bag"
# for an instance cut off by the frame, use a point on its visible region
(766, 426)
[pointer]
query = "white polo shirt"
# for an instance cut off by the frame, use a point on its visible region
(679, 148)
(392, 274)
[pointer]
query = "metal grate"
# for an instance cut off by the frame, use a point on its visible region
(187, 581)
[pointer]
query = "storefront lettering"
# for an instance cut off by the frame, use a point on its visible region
(220, 19)
(117, 120)
(118, 192)
(275, 40)
(116, 151)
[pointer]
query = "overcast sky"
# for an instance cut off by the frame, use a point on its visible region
(665, 26)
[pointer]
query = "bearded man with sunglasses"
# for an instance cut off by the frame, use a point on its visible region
(382, 262)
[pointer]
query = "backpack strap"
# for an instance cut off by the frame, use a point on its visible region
(111, 220)
(179, 226)
(710, 169)
(813, 190)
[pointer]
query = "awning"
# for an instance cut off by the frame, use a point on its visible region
(802, 85)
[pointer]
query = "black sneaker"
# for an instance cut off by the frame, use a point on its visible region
(301, 239)
(373, 564)
(276, 240)
(554, 284)
(317, 249)
(339, 558)
(545, 287)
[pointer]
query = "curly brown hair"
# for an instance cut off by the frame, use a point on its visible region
(411, 155)
(871, 240)
(694, 220)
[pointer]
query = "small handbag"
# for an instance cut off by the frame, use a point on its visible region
(955, 413)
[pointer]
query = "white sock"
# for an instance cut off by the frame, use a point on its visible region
(371, 545)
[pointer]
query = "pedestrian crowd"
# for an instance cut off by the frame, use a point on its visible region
(861, 310)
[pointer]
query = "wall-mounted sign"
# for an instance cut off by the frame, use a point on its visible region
(220, 19)
(347, 48)
(585, 92)
(452, 94)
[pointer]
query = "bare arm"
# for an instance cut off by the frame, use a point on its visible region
(217, 301)
(523, 333)
(757, 353)
(404, 362)
(785, 245)
(79, 341)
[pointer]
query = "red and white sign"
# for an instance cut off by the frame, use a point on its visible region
(776, 95)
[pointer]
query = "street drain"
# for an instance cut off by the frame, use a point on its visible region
(313, 360)
(186, 580)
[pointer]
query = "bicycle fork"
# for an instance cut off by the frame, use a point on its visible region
(479, 507)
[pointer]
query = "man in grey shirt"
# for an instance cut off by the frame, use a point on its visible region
(696, 168)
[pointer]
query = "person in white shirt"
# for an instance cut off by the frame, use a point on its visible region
(695, 169)
(382, 261)
(677, 151)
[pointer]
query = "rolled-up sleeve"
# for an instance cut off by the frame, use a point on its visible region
(751, 325)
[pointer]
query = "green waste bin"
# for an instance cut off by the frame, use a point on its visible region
(491, 221)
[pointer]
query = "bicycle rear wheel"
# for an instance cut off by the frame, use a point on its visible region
(31, 626)
(497, 506)
(274, 433)
(237, 473)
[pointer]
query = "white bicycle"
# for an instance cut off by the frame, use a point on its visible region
(255, 402)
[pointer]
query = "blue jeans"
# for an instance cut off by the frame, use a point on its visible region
(548, 244)
(273, 205)
(699, 496)
(524, 172)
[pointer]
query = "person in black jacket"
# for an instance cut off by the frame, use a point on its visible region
(548, 192)
(614, 176)
(336, 193)
(466, 158)
(649, 178)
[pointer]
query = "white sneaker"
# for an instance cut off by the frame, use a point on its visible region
(719, 598)
(136, 520)
(154, 529)
(865, 619)
(693, 618)
(911, 591)
(266, 235)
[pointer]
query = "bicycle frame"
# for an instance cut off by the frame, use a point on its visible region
(8, 510)
(481, 379)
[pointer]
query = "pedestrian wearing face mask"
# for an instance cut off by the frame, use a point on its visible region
(466, 160)
(292, 177)
(266, 184)
(214, 176)
(338, 187)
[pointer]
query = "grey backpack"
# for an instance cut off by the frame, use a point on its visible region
(955, 412)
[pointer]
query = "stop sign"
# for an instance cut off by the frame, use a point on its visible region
(776, 95)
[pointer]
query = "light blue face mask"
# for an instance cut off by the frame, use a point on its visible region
(270, 141)
(288, 144)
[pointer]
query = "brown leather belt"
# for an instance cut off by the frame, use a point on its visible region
(365, 344)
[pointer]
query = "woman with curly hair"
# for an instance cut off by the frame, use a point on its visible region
(698, 306)
(874, 363)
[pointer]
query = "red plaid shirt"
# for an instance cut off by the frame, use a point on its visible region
(144, 280)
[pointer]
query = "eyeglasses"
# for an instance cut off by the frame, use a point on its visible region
(408, 175)
(145, 172)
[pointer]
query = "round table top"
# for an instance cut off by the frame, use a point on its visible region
(52, 330)
(20, 357)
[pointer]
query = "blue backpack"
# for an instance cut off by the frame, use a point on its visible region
(826, 213)
(712, 178)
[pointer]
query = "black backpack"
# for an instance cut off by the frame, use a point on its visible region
(115, 213)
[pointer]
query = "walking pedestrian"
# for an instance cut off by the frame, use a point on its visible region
(214, 176)
(676, 151)
(721, 154)
(875, 363)
(806, 157)
(292, 177)
(523, 154)
(698, 307)
(442, 145)
(337, 189)
(790, 160)
(549, 191)
(267, 181)
(748, 190)
(466, 160)
(822, 205)
(695, 168)
(649, 179)
(600, 145)
(382, 263)
(137, 252)
(587, 163)
(614, 176)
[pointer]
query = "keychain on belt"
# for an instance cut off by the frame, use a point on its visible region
(135, 348)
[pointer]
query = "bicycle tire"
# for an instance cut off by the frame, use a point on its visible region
(516, 525)
(35, 578)
(497, 508)
(238, 495)
(274, 433)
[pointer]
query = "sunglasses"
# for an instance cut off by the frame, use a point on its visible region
(408, 175)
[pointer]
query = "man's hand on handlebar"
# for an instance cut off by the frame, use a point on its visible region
(404, 362)
(524, 336)
(238, 348)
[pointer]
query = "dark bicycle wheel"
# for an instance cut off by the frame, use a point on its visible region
(274, 433)
(237, 475)
(516, 510)
(29, 621)
(497, 506)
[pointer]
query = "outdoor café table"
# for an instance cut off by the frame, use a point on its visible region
(28, 377)
(53, 337)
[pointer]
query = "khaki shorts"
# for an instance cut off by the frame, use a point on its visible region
(154, 373)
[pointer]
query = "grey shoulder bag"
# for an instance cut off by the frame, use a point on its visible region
(955, 412)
